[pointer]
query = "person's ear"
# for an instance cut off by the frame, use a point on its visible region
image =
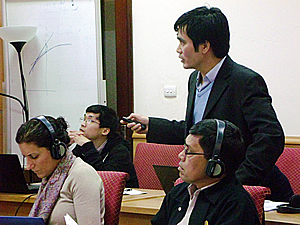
(105, 131)
(205, 47)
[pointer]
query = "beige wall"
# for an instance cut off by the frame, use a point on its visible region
(258, 30)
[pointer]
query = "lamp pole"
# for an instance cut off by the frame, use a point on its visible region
(18, 46)
(18, 36)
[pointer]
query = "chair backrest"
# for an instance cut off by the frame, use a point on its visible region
(114, 184)
(257, 193)
(289, 164)
(149, 154)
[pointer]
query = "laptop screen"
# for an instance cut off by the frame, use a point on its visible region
(12, 179)
(167, 176)
(21, 220)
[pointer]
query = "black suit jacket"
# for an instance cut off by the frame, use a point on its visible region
(226, 202)
(240, 96)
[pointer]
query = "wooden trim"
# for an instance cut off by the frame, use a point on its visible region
(124, 59)
(292, 142)
(137, 138)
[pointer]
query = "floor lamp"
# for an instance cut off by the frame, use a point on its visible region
(18, 36)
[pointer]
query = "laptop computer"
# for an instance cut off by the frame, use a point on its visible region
(12, 178)
(167, 176)
(21, 220)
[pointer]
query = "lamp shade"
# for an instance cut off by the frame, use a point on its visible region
(17, 33)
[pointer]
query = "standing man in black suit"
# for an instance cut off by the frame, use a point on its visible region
(222, 89)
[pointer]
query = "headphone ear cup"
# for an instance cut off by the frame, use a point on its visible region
(58, 149)
(295, 201)
(214, 168)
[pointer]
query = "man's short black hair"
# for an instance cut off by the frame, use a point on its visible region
(233, 149)
(206, 24)
(108, 117)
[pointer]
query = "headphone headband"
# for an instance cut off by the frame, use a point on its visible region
(58, 148)
(48, 126)
(219, 138)
(215, 167)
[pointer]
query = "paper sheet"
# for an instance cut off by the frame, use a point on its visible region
(130, 191)
(69, 220)
(270, 205)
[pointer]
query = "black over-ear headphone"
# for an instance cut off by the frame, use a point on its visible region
(292, 207)
(215, 167)
(58, 149)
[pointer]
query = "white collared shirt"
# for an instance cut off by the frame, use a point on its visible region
(193, 192)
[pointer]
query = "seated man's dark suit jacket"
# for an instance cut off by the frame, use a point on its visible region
(240, 96)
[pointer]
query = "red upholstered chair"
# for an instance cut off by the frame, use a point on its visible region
(114, 184)
(289, 164)
(149, 154)
(257, 193)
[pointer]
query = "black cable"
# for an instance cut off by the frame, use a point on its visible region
(29, 196)
(18, 100)
(15, 98)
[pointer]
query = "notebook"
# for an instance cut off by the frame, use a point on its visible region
(167, 176)
(12, 179)
(21, 220)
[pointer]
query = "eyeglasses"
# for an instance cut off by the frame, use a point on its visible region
(187, 151)
(87, 121)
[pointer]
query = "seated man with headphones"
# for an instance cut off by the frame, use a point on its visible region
(210, 193)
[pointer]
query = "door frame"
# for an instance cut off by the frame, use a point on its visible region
(124, 59)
